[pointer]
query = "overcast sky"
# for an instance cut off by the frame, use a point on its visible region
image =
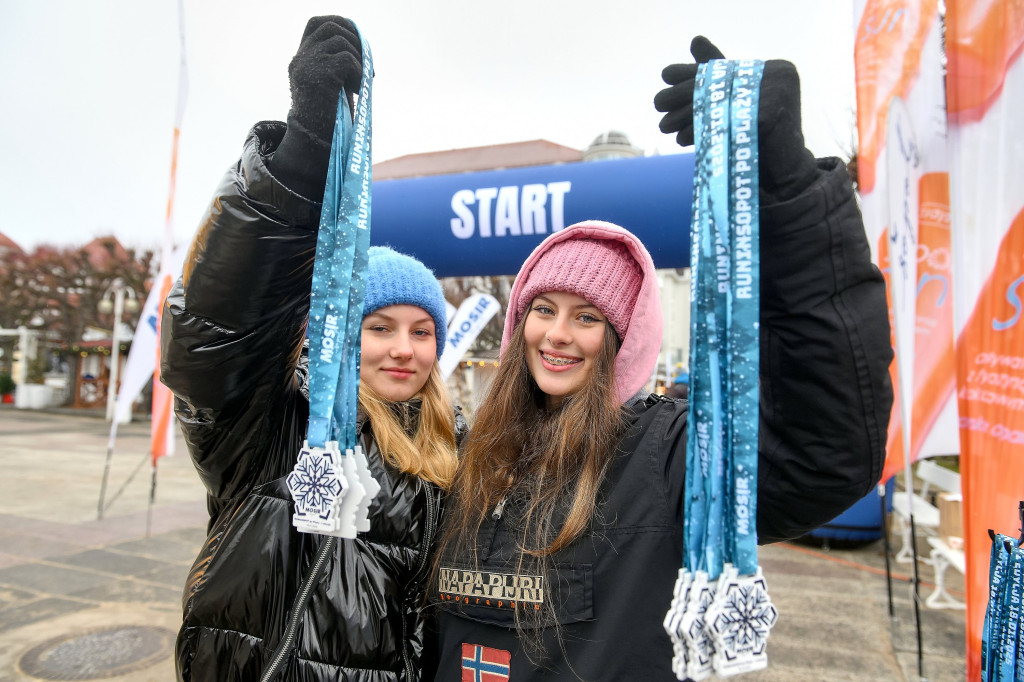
(90, 88)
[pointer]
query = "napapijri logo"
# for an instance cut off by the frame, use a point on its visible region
(496, 590)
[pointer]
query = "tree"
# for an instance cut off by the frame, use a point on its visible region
(57, 290)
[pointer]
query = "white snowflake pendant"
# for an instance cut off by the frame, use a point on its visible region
(739, 622)
(370, 485)
(699, 646)
(673, 621)
(349, 505)
(317, 485)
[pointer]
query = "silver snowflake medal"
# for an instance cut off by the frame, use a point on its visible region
(349, 505)
(316, 484)
(370, 486)
(739, 622)
(699, 646)
(673, 619)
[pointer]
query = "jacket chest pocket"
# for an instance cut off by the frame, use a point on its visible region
(502, 596)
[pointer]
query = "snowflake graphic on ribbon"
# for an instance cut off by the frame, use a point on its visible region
(745, 618)
(314, 485)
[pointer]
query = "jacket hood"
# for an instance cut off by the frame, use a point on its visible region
(638, 355)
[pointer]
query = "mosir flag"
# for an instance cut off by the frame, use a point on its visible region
(985, 89)
(140, 365)
(902, 169)
(475, 312)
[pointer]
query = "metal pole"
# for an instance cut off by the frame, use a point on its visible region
(115, 352)
(882, 496)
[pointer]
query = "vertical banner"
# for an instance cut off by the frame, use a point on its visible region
(985, 88)
(162, 432)
(898, 58)
(138, 368)
(463, 328)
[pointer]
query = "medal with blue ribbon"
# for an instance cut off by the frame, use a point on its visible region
(1002, 638)
(331, 483)
(721, 615)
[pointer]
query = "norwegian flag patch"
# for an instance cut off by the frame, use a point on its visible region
(483, 664)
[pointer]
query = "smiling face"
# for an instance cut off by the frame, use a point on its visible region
(398, 349)
(564, 334)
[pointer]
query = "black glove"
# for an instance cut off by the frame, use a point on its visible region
(330, 57)
(787, 167)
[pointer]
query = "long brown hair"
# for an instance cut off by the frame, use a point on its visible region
(554, 460)
(430, 454)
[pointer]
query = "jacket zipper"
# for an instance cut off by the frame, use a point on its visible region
(498, 510)
(299, 608)
(428, 531)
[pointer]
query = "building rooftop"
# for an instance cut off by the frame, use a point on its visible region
(471, 159)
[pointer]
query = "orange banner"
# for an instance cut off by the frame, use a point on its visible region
(887, 51)
(982, 38)
(990, 392)
(985, 86)
(162, 427)
(161, 433)
(934, 361)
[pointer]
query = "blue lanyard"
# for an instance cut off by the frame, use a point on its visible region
(721, 477)
(699, 423)
(1001, 639)
(744, 313)
(338, 291)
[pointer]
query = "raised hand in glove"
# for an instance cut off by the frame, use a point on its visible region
(330, 56)
(787, 168)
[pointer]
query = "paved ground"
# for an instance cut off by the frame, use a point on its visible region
(83, 598)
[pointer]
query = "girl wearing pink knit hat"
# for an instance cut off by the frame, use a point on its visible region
(563, 531)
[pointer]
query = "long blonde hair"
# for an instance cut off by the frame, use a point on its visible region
(430, 454)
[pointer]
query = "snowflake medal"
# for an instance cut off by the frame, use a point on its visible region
(699, 646)
(316, 484)
(348, 506)
(673, 619)
(370, 485)
(739, 622)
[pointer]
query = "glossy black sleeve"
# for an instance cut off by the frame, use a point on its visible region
(233, 327)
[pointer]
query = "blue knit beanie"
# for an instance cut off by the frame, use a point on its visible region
(395, 278)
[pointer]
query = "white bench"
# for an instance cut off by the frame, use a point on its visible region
(926, 515)
(944, 556)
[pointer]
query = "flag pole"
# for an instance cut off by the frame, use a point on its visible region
(161, 432)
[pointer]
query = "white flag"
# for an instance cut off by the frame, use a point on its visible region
(474, 313)
(141, 361)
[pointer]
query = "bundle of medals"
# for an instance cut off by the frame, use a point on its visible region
(1002, 638)
(331, 482)
(721, 614)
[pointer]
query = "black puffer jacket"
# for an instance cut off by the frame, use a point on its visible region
(231, 345)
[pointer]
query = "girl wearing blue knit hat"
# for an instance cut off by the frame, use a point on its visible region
(403, 335)
(232, 340)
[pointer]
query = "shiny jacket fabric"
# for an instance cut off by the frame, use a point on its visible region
(232, 334)
(825, 402)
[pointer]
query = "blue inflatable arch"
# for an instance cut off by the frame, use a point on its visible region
(487, 223)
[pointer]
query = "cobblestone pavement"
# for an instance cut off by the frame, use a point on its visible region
(99, 599)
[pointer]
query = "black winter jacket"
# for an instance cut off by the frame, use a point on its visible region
(825, 402)
(232, 333)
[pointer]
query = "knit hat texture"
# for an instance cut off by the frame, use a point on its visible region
(394, 278)
(600, 270)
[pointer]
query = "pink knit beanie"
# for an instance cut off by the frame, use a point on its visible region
(600, 270)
